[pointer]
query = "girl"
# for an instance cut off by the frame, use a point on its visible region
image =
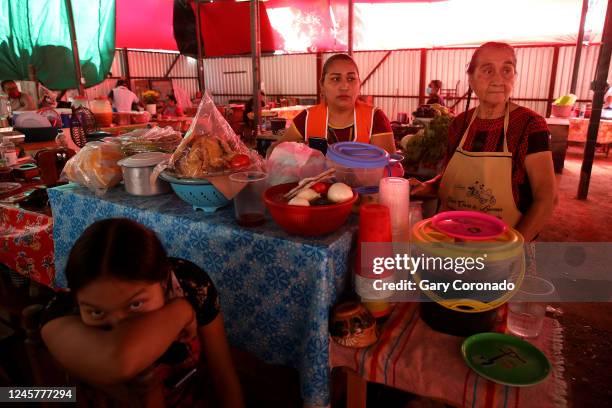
(134, 317)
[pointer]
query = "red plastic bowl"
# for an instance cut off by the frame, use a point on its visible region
(310, 221)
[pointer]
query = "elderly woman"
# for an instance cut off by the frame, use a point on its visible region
(498, 159)
(341, 117)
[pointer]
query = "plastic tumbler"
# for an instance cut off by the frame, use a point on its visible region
(527, 309)
(394, 192)
(249, 206)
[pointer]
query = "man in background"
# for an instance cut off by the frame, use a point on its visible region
(19, 101)
(122, 97)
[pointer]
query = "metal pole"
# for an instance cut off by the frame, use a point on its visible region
(599, 86)
(585, 8)
(199, 42)
(255, 56)
(350, 27)
(126, 67)
(75, 48)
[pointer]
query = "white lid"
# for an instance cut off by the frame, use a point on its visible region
(144, 159)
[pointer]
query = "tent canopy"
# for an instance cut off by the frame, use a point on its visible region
(322, 25)
(36, 33)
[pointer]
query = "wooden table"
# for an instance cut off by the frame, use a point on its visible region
(119, 129)
(559, 130)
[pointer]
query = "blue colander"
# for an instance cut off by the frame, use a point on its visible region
(199, 193)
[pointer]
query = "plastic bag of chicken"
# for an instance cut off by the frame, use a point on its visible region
(211, 148)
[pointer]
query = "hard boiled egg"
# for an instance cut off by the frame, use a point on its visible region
(339, 193)
(308, 194)
(299, 201)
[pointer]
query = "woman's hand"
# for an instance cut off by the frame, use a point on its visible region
(424, 189)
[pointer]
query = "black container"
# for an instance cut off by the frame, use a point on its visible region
(318, 143)
(39, 134)
(449, 321)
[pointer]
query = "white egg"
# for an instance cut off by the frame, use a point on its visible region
(299, 201)
(339, 192)
(308, 194)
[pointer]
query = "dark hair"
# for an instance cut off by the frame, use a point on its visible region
(334, 58)
(172, 98)
(491, 44)
(437, 83)
(119, 248)
(6, 82)
(121, 82)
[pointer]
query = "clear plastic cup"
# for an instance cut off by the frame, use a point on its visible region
(527, 309)
(249, 206)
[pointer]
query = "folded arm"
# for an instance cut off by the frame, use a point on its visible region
(106, 357)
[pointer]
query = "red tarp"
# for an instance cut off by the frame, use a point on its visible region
(145, 24)
(226, 28)
(322, 25)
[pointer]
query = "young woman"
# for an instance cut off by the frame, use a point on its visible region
(136, 319)
(341, 117)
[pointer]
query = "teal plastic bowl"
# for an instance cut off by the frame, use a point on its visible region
(199, 193)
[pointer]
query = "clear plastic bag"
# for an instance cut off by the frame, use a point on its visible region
(95, 167)
(210, 147)
(292, 161)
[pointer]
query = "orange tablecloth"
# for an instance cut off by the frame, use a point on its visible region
(411, 356)
(578, 130)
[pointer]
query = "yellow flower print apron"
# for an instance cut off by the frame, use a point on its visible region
(480, 181)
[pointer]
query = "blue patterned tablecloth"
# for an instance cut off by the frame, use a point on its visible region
(276, 290)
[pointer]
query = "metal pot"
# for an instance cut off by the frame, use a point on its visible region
(137, 171)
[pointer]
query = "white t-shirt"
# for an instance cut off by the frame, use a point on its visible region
(123, 99)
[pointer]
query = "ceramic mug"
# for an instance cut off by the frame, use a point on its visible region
(352, 325)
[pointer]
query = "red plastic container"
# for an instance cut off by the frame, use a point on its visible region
(310, 221)
(374, 227)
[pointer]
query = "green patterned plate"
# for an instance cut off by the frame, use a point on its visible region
(505, 359)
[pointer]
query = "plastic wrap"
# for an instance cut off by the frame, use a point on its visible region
(210, 147)
(156, 139)
(291, 162)
(95, 166)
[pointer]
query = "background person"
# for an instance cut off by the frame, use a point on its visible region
(19, 101)
(433, 91)
(122, 98)
(171, 107)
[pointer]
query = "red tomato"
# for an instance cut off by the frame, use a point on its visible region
(320, 188)
(239, 161)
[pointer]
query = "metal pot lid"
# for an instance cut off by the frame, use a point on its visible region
(144, 159)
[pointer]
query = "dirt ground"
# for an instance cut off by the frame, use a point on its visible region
(587, 327)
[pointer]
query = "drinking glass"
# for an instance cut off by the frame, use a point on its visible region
(248, 204)
(527, 309)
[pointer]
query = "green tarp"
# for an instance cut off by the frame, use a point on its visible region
(36, 32)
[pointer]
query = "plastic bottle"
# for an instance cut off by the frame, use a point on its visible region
(8, 151)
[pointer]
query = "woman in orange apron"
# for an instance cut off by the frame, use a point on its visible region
(499, 161)
(340, 117)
